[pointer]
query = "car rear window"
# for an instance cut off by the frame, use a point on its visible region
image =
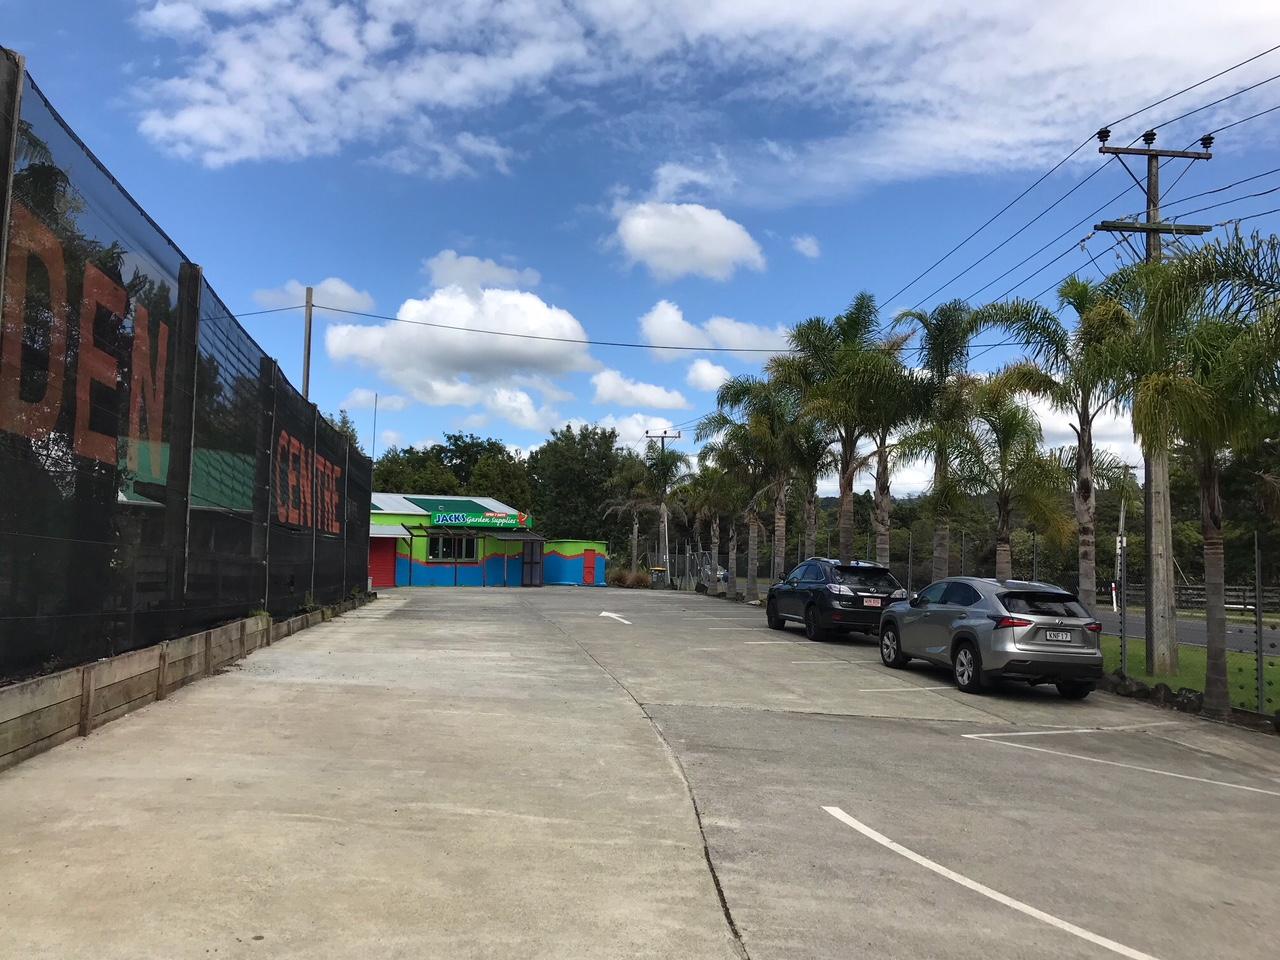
(1044, 604)
(867, 578)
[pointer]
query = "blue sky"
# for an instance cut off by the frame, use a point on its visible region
(668, 171)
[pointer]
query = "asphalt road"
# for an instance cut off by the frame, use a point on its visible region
(507, 773)
(1240, 636)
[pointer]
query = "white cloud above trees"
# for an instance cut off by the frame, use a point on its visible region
(675, 240)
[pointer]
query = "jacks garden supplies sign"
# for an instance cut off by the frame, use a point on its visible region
(502, 520)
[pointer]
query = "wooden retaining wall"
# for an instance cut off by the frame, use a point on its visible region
(37, 715)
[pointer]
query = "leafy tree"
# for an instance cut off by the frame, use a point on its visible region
(503, 476)
(413, 470)
(567, 474)
(462, 452)
(346, 426)
(943, 415)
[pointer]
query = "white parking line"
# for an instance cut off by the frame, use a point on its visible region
(1052, 733)
(828, 660)
(768, 641)
(902, 689)
(986, 891)
(1126, 766)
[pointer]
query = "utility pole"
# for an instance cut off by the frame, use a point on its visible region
(664, 546)
(306, 353)
(1155, 496)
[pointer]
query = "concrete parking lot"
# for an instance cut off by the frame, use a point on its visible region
(506, 773)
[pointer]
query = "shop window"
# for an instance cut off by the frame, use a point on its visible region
(451, 548)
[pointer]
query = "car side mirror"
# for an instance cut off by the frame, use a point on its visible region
(916, 601)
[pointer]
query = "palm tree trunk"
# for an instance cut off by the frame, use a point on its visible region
(846, 506)
(753, 541)
(941, 520)
(1217, 700)
(811, 521)
(883, 504)
(732, 581)
(780, 532)
(1164, 629)
(715, 588)
(635, 541)
(664, 546)
(1004, 554)
(1086, 506)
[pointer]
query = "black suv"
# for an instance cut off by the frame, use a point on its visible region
(828, 595)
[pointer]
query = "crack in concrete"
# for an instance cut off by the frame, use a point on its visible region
(739, 946)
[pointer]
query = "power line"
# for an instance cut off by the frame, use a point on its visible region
(1252, 216)
(586, 342)
(1234, 183)
(1043, 177)
(1223, 203)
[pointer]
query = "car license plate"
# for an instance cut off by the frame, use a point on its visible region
(871, 601)
(1058, 636)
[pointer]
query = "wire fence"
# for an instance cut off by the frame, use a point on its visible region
(160, 475)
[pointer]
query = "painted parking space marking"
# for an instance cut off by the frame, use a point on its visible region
(996, 895)
(903, 689)
(1053, 733)
(768, 641)
(993, 738)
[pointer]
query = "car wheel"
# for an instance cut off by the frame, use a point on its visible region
(1074, 689)
(967, 665)
(812, 627)
(771, 616)
(891, 648)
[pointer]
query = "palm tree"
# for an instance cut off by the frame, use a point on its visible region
(630, 497)
(709, 495)
(812, 456)
(746, 446)
(890, 395)
(1148, 361)
(1000, 457)
(1069, 368)
(666, 471)
(943, 417)
(820, 351)
(770, 411)
(1231, 358)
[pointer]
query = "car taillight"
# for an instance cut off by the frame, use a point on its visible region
(1009, 621)
(1094, 627)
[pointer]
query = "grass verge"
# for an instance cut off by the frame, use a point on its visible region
(1241, 672)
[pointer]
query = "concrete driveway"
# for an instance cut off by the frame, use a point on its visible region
(506, 773)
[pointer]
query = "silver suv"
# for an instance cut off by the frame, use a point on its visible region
(987, 630)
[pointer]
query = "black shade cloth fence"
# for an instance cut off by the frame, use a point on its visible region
(158, 473)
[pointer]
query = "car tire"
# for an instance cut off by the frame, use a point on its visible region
(1074, 689)
(891, 654)
(771, 616)
(966, 666)
(812, 625)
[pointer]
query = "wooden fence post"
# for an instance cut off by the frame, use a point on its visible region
(162, 671)
(87, 679)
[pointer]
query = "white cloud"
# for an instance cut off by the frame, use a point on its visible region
(362, 398)
(806, 244)
(665, 325)
(449, 268)
(391, 438)
(613, 387)
(440, 158)
(440, 367)
(705, 375)
(632, 428)
(1004, 84)
(1112, 431)
(686, 239)
(331, 292)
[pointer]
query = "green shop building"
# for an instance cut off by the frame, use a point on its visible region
(440, 541)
